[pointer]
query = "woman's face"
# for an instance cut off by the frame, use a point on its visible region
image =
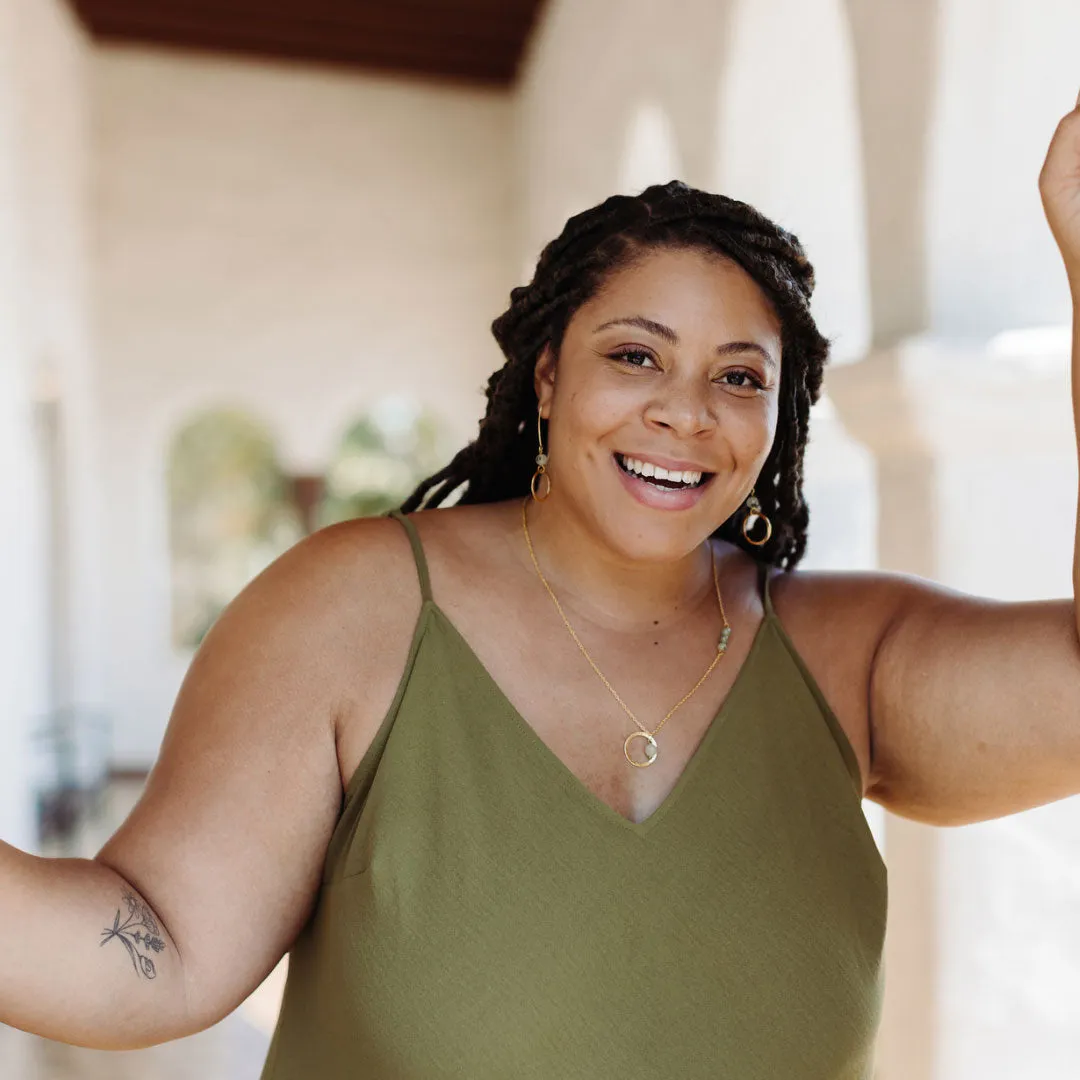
(672, 367)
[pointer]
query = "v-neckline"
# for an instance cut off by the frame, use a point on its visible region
(566, 776)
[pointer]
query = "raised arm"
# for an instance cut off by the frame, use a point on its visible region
(1059, 185)
(203, 888)
(975, 704)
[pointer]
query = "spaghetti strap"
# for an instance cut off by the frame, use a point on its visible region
(763, 586)
(418, 553)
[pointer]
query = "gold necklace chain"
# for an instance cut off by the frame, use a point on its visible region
(650, 748)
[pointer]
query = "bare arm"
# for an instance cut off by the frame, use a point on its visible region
(975, 704)
(216, 869)
(85, 959)
(1059, 186)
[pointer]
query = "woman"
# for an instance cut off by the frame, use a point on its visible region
(565, 780)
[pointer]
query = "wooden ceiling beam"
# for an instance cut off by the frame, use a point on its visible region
(485, 69)
(384, 35)
(435, 65)
(467, 12)
(419, 20)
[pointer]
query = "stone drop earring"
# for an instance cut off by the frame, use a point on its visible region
(754, 511)
(541, 473)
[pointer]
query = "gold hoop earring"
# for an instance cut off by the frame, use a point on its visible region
(754, 511)
(541, 465)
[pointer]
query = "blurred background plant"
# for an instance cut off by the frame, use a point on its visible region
(231, 514)
(382, 457)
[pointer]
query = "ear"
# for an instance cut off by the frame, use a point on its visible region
(544, 379)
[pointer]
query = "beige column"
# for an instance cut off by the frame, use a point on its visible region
(959, 473)
(894, 47)
(18, 579)
(896, 72)
(878, 409)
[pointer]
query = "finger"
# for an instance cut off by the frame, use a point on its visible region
(1078, 101)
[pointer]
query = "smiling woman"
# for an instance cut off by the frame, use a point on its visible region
(566, 779)
(660, 367)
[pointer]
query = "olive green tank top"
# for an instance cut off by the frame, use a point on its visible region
(484, 916)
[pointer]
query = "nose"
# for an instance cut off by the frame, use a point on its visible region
(682, 406)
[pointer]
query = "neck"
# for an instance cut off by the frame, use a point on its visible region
(606, 586)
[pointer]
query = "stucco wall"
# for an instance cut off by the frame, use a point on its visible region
(293, 240)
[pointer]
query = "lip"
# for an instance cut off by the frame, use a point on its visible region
(657, 498)
(671, 464)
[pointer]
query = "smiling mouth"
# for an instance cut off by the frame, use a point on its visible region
(662, 479)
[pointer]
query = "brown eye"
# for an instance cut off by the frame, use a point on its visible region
(749, 379)
(633, 357)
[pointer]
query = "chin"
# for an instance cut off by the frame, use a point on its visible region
(648, 538)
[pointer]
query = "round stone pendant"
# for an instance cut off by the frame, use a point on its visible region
(649, 749)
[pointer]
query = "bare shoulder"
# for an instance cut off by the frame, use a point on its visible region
(363, 563)
(346, 599)
(372, 601)
(837, 621)
(246, 789)
(367, 567)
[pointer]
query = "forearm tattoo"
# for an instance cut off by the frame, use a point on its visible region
(138, 933)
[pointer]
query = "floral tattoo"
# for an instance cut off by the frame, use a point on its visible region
(139, 931)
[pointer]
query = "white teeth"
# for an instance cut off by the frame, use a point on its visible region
(647, 468)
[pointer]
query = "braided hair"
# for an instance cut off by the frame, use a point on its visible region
(498, 464)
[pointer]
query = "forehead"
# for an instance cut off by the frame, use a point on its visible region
(687, 289)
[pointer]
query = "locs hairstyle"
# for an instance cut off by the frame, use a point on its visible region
(595, 244)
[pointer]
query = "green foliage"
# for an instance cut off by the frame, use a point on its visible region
(230, 515)
(232, 509)
(383, 457)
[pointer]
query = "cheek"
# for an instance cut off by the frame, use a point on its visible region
(593, 407)
(755, 419)
(745, 429)
(759, 431)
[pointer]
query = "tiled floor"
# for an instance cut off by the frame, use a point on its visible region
(232, 1050)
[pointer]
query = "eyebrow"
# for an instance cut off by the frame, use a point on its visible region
(669, 335)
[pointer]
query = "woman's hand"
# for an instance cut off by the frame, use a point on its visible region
(1059, 185)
